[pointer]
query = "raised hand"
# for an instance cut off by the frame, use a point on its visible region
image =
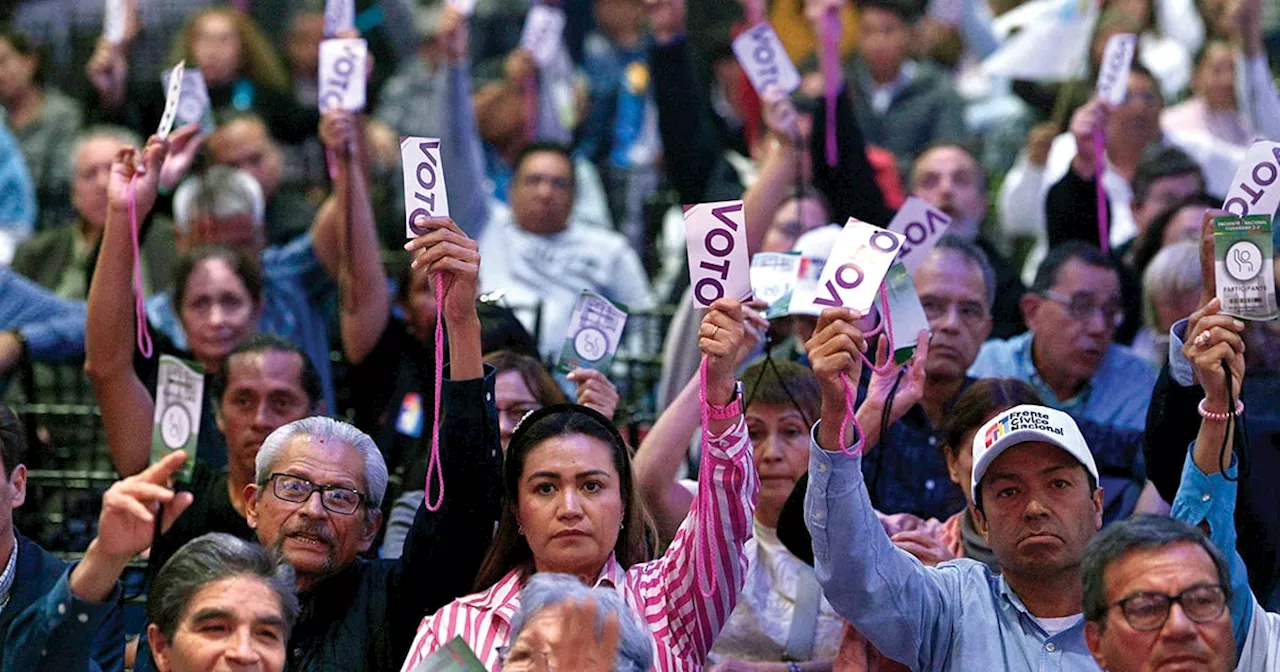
(454, 32)
(107, 70)
(1087, 120)
(338, 130)
(580, 648)
(519, 67)
(1211, 339)
(666, 19)
(145, 166)
(909, 391)
(595, 391)
(445, 249)
(184, 144)
(719, 339)
(780, 116)
(833, 353)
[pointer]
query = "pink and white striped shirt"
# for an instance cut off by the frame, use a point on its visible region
(664, 592)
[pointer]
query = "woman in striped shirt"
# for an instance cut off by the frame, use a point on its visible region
(571, 507)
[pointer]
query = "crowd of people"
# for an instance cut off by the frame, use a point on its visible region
(393, 464)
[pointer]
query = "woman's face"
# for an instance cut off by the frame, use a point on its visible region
(570, 504)
(16, 71)
(960, 465)
(217, 311)
(1215, 79)
(514, 400)
(215, 48)
(780, 447)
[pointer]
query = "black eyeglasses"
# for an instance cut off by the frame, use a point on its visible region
(1082, 308)
(1149, 611)
(332, 497)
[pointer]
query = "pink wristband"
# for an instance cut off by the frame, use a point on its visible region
(1220, 417)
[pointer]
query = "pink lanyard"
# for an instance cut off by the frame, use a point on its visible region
(850, 391)
(830, 73)
(433, 462)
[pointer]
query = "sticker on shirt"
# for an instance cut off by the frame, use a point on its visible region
(764, 59)
(171, 100)
(1244, 266)
(1255, 189)
(905, 312)
(1117, 60)
(424, 191)
(409, 422)
(193, 100)
(179, 402)
(595, 329)
(339, 16)
(774, 276)
(921, 225)
(852, 275)
(342, 75)
(716, 238)
(455, 656)
(543, 29)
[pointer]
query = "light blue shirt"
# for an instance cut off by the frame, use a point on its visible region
(297, 296)
(957, 616)
(1118, 394)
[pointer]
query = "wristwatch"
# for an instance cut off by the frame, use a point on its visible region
(730, 410)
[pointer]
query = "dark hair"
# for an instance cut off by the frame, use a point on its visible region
(1152, 240)
(262, 342)
(510, 549)
(27, 47)
(1060, 255)
(13, 440)
(901, 8)
(214, 557)
(244, 266)
(543, 146)
(980, 402)
(775, 382)
(540, 383)
(1138, 533)
(1158, 163)
(971, 251)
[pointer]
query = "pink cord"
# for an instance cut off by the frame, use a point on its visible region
(885, 327)
(139, 297)
(1100, 168)
(331, 162)
(704, 509)
(433, 462)
(830, 73)
(849, 398)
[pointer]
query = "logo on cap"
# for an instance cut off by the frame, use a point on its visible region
(999, 429)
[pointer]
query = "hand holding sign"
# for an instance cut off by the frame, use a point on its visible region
(859, 261)
(780, 116)
(717, 248)
(425, 195)
(1090, 119)
(719, 339)
(443, 248)
(595, 391)
(764, 59)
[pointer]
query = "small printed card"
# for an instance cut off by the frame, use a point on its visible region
(171, 100)
(774, 276)
(343, 65)
(595, 329)
(765, 61)
(543, 29)
(424, 191)
(193, 100)
(905, 312)
(339, 16)
(179, 402)
(1244, 266)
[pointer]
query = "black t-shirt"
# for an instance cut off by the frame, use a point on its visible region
(210, 512)
(211, 446)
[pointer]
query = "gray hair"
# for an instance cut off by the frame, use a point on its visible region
(973, 253)
(213, 557)
(548, 589)
(221, 192)
(1138, 533)
(104, 131)
(326, 429)
(1174, 270)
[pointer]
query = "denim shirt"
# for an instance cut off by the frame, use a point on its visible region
(957, 616)
(1117, 395)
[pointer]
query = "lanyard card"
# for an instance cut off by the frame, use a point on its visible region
(339, 16)
(766, 63)
(859, 261)
(542, 31)
(1256, 187)
(1117, 60)
(806, 287)
(179, 402)
(595, 329)
(115, 20)
(717, 249)
(774, 276)
(1244, 266)
(455, 656)
(424, 191)
(193, 100)
(171, 99)
(921, 225)
(905, 312)
(342, 74)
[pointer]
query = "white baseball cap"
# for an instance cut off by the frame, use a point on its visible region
(1023, 424)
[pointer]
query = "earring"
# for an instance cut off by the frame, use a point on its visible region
(520, 529)
(622, 525)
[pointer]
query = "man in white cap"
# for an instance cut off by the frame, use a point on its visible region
(1037, 503)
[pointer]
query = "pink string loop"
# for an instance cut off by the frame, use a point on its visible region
(885, 327)
(433, 462)
(850, 416)
(139, 297)
(1100, 169)
(830, 73)
(704, 507)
